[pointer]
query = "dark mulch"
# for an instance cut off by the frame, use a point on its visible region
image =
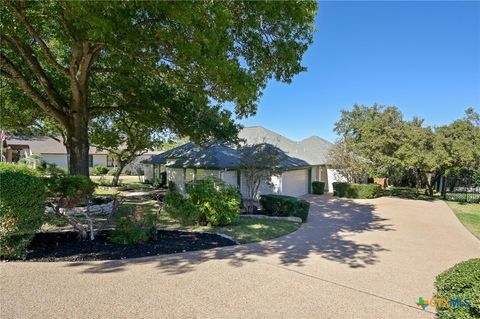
(67, 246)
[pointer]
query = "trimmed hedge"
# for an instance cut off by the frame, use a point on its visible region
(22, 205)
(460, 285)
(318, 188)
(356, 190)
(282, 205)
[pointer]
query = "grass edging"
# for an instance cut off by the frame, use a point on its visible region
(200, 231)
(285, 218)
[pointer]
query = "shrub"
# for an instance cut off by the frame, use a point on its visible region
(72, 189)
(135, 227)
(318, 188)
(217, 203)
(282, 205)
(112, 171)
(180, 208)
(356, 190)
(98, 170)
(22, 205)
(459, 284)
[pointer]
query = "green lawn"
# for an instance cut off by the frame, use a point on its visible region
(245, 230)
(468, 214)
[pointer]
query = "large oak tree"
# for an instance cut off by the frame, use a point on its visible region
(69, 61)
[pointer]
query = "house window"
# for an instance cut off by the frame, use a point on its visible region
(90, 160)
(110, 161)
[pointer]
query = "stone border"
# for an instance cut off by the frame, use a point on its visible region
(100, 209)
(288, 218)
(199, 231)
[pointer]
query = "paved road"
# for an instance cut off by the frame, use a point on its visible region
(352, 259)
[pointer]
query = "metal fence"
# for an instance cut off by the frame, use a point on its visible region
(460, 189)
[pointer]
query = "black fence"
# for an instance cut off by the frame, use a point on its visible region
(459, 189)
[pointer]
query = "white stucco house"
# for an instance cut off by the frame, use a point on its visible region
(54, 152)
(306, 161)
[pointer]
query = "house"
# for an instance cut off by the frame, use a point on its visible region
(52, 151)
(304, 162)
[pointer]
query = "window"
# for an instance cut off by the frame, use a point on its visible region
(90, 160)
(110, 161)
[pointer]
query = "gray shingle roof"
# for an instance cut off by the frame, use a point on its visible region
(313, 150)
(193, 156)
(44, 145)
(310, 151)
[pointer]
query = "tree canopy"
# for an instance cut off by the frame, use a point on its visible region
(69, 61)
(393, 146)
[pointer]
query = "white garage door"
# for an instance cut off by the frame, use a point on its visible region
(295, 183)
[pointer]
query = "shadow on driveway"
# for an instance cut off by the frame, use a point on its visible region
(326, 232)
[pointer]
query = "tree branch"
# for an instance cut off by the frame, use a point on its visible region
(46, 51)
(16, 76)
(36, 68)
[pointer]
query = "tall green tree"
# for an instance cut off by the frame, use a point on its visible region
(373, 133)
(416, 152)
(70, 61)
(458, 144)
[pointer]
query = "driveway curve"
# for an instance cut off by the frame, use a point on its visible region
(352, 259)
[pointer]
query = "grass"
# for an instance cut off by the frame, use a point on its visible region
(124, 179)
(244, 230)
(409, 193)
(468, 214)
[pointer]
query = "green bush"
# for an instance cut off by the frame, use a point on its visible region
(98, 170)
(356, 190)
(180, 208)
(217, 202)
(22, 206)
(134, 227)
(318, 188)
(476, 178)
(282, 205)
(112, 171)
(460, 285)
(72, 189)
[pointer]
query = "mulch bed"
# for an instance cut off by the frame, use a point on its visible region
(67, 246)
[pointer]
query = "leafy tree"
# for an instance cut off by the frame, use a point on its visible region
(457, 145)
(69, 61)
(258, 163)
(124, 138)
(373, 133)
(416, 152)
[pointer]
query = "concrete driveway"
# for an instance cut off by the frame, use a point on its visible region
(352, 259)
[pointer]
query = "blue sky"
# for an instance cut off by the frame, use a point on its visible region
(423, 57)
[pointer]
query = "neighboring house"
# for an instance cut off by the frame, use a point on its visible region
(52, 151)
(304, 162)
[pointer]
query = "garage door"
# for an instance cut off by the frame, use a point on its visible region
(295, 183)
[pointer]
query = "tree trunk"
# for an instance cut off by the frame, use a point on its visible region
(77, 140)
(418, 181)
(77, 137)
(116, 177)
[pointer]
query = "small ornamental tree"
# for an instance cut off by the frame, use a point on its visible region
(258, 163)
(348, 164)
(124, 137)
